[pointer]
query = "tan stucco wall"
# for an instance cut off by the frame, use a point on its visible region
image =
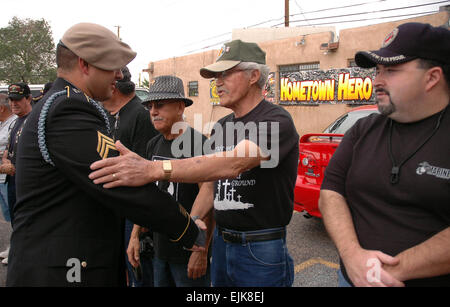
(307, 119)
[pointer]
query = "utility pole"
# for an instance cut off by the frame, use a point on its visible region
(118, 31)
(286, 13)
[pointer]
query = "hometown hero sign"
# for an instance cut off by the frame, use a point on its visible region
(348, 85)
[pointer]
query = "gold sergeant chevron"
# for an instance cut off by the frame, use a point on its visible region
(104, 144)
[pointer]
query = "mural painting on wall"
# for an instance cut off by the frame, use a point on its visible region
(269, 90)
(347, 86)
(214, 98)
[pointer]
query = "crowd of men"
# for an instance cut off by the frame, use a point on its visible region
(103, 189)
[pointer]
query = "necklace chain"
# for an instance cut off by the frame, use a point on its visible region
(395, 171)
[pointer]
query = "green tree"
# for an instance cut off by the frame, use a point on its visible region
(145, 83)
(27, 52)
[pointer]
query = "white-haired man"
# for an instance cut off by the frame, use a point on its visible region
(254, 168)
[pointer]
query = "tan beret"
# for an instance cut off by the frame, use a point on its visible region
(98, 46)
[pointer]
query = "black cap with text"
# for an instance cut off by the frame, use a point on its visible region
(407, 42)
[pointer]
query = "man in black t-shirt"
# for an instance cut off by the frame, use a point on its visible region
(173, 265)
(394, 229)
(20, 102)
(130, 120)
(132, 126)
(254, 165)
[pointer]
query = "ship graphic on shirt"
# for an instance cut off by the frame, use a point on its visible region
(227, 198)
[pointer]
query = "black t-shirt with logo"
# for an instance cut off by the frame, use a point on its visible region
(395, 217)
(262, 197)
(189, 144)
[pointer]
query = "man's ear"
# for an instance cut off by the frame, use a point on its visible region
(254, 76)
(432, 77)
(83, 65)
(181, 107)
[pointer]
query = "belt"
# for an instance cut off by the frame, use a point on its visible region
(244, 237)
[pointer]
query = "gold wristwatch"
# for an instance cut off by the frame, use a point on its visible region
(167, 167)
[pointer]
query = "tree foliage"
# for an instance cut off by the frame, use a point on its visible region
(145, 83)
(27, 52)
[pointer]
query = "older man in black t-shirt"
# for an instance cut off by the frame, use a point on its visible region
(385, 198)
(254, 165)
(173, 265)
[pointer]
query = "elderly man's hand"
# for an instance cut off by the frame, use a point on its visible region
(128, 169)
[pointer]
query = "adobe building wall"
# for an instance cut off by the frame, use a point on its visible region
(307, 119)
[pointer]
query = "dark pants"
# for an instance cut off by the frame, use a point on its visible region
(11, 196)
(146, 264)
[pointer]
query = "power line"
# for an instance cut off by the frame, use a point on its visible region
(326, 23)
(316, 11)
(206, 47)
(301, 11)
(338, 8)
(276, 19)
(326, 17)
(209, 38)
(359, 13)
(366, 19)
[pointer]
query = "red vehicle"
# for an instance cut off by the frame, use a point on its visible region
(316, 150)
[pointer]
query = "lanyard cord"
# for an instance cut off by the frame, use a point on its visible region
(395, 172)
(116, 125)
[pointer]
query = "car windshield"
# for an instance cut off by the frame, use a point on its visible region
(343, 123)
(142, 94)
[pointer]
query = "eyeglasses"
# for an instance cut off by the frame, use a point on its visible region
(225, 74)
(157, 104)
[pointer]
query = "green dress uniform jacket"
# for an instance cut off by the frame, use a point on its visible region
(68, 231)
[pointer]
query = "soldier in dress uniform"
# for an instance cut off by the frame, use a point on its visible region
(69, 231)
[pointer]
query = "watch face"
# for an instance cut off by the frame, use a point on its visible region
(167, 166)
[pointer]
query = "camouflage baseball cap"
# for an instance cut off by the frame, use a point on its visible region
(233, 53)
(98, 46)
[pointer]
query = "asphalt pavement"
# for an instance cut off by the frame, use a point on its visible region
(315, 257)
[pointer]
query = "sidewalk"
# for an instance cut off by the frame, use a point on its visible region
(5, 234)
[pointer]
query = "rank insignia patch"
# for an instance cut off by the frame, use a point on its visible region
(105, 143)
